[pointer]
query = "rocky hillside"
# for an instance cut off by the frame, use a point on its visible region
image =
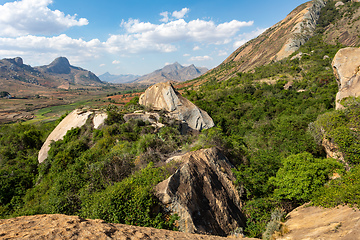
(61, 69)
(171, 72)
(20, 79)
(338, 24)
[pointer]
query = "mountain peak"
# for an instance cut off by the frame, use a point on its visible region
(60, 65)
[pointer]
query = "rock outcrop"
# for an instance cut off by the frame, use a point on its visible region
(163, 96)
(65, 227)
(303, 30)
(337, 223)
(346, 65)
(76, 118)
(202, 193)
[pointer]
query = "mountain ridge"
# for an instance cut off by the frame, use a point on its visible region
(172, 72)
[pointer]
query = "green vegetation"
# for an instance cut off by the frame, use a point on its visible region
(265, 130)
(107, 173)
(271, 134)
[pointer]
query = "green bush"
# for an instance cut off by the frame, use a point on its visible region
(301, 176)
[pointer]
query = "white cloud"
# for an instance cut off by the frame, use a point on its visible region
(42, 50)
(186, 55)
(102, 65)
(179, 30)
(222, 53)
(181, 13)
(34, 17)
(245, 37)
(200, 58)
(116, 62)
(165, 17)
(196, 48)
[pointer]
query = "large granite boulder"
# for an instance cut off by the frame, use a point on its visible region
(163, 96)
(309, 222)
(346, 65)
(202, 193)
(76, 118)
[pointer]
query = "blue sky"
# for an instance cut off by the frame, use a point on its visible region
(133, 36)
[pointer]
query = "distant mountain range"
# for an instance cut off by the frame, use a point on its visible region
(123, 78)
(17, 77)
(171, 72)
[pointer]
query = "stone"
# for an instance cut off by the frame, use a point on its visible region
(76, 118)
(202, 193)
(346, 66)
(309, 222)
(339, 4)
(163, 96)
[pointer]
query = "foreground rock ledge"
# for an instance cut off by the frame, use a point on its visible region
(312, 223)
(60, 226)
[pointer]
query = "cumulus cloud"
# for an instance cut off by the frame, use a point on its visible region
(179, 30)
(181, 13)
(44, 49)
(34, 17)
(102, 65)
(116, 62)
(175, 15)
(186, 55)
(165, 16)
(200, 58)
(196, 48)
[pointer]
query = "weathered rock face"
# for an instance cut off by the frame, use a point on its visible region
(60, 226)
(332, 151)
(337, 223)
(163, 96)
(202, 193)
(346, 65)
(76, 118)
(303, 30)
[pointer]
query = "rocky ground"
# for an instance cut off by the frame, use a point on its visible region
(60, 226)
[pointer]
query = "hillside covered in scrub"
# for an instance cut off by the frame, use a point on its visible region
(271, 126)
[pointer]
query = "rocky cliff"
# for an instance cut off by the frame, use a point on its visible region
(76, 118)
(163, 96)
(346, 65)
(202, 193)
(65, 227)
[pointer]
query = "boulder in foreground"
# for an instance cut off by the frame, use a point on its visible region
(202, 193)
(346, 65)
(337, 223)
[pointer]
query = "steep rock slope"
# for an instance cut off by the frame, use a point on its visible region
(60, 226)
(163, 96)
(202, 193)
(346, 65)
(76, 118)
(172, 72)
(337, 223)
(276, 43)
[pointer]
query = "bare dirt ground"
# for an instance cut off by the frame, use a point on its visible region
(60, 226)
